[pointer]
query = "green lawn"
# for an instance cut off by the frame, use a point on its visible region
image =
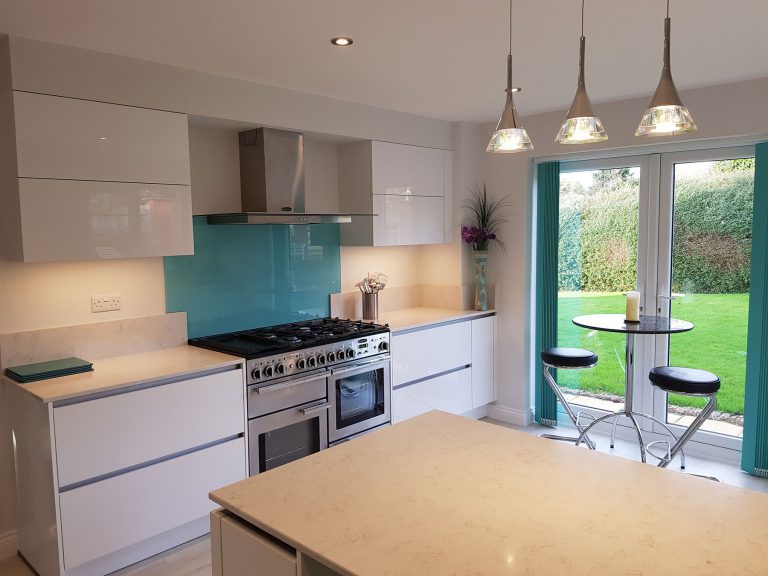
(717, 343)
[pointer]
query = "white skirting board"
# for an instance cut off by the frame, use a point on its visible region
(8, 546)
(510, 415)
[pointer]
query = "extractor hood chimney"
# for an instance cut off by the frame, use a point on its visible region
(272, 181)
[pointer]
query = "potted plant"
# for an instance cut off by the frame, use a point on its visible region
(486, 218)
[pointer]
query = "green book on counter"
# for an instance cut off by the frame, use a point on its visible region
(50, 369)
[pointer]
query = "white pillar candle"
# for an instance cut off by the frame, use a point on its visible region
(633, 307)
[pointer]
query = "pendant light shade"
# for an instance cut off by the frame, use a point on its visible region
(508, 136)
(581, 126)
(666, 115)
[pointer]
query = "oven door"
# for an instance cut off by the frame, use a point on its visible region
(360, 395)
(288, 435)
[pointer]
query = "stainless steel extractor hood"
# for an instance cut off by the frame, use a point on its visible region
(272, 181)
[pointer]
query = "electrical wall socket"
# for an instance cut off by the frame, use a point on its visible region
(105, 302)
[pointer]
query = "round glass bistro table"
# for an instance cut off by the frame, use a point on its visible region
(646, 325)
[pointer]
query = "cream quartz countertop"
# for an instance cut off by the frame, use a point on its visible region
(423, 317)
(442, 494)
(129, 370)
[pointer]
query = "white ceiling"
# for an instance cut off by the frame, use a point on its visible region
(438, 58)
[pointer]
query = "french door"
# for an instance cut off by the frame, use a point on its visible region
(677, 228)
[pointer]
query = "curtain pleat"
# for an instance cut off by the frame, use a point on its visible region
(547, 237)
(754, 456)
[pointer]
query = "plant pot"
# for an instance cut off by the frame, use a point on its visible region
(481, 290)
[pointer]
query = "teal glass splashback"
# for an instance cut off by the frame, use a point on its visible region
(250, 276)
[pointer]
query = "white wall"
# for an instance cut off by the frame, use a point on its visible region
(733, 110)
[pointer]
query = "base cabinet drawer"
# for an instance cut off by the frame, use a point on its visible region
(106, 516)
(450, 393)
(246, 553)
(101, 436)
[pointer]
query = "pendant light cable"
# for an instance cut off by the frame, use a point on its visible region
(510, 27)
(582, 18)
(667, 8)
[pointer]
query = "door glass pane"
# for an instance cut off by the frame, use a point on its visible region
(711, 249)
(289, 443)
(599, 212)
(359, 397)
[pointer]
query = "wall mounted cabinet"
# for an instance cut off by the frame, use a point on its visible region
(92, 180)
(408, 188)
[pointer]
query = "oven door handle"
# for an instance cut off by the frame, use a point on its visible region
(318, 408)
(289, 384)
(358, 365)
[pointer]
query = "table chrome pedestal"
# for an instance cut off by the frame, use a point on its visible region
(647, 325)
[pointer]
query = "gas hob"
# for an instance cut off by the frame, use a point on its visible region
(289, 349)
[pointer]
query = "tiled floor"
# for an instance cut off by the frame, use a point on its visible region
(727, 473)
(679, 419)
(190, 559)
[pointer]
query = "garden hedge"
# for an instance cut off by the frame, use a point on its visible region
(712, 234)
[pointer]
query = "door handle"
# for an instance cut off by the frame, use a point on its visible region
(359, 365)
(289, 384)
(318, 408)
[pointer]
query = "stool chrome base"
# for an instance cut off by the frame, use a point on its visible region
(575, 418)
(663, 462)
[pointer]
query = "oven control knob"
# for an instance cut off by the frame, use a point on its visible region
(311, 361)
(383, 346)
(301, 363)
(279, 368)
(267, 371)
(330, 357)
(256, 373)
(350, 353)
(320, 359)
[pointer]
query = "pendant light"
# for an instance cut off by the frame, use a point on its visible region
(508, 137)
(581, 126)
(666, 115)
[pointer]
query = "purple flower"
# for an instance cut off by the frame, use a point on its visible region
(470, 234)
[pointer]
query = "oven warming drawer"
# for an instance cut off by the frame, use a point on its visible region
(281, 394)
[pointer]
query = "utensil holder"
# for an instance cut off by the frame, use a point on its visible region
(370, 306)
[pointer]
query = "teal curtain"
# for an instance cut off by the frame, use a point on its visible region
(754, 456)
(547, 239)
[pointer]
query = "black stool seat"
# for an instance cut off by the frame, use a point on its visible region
(684, 380)
(569, 357)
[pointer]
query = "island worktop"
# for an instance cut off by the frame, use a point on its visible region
(442, 494)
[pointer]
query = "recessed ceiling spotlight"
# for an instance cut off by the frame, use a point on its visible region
(341, 41)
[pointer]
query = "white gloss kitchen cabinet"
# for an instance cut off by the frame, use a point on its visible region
(408, 188)
(91, 180)
(112, 478)
(447, 367)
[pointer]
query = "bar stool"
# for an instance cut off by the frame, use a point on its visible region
(568, 359)
(687, 382)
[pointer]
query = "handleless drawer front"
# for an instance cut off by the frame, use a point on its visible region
(105, 435)
(409, 356)
(106, 516)
(245, 553)
(450, 393)
(66, 138)
(449, 347)
(77, 220)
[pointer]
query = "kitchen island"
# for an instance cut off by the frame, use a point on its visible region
(442, 494)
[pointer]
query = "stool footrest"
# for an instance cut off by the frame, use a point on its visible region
(668, 450)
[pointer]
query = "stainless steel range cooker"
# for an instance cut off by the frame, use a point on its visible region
(310, 384)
